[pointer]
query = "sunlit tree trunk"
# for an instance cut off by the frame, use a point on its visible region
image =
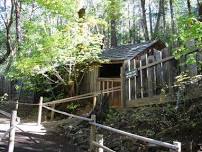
(17, 19)
(8, 22)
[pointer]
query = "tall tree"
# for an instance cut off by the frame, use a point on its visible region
(113, 11)
(144, 19)
(8, 20)
(150, 19)
(160, 12)
(172, 16)
(164, 15)
(189, 6)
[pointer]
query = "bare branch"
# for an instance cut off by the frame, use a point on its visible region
(45, 75)
(56, 73)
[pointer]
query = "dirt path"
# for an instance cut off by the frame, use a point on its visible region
(31, 138)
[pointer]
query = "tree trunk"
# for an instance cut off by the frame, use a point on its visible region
(164, 16)
(146, 34)
(189, 6)
(113, 34)
(172, 16)
(17, 15)
(200, 11)
(160, 12)
(150, 20)
(8, 21)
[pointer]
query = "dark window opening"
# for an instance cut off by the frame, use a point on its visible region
(110, 70)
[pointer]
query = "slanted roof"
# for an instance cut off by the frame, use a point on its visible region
(130, 51)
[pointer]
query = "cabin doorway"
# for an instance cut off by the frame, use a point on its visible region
(109, 78)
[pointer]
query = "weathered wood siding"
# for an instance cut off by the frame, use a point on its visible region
(156, 71)
(89, 82)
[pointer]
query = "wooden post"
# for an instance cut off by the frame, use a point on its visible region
(123, 79)
(129, 83)
(99, 140)
(112, 91)
(12, 132)
(52, 112)
(17, 105)
(94, 101)
(141, 79)
(161, 57)
(92, 133)
(135, 80)
(40, 111)
(107, 87)
(154, 69)
(178, 144)
(150, 76)
(103, 85)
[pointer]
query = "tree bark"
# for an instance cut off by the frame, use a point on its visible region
(172, 16)
(160, 12)
(200, 11)
(189, 6)
(146, 34)
(113, 34)
(164, 15)
(17, 20)
(8, 23)
(150, 20)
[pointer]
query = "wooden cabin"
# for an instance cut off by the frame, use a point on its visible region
(138, 69)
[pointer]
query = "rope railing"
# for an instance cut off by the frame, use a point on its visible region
(19, 103)
(176, 147)
(137, 137)
(84, 96)
(68, 114)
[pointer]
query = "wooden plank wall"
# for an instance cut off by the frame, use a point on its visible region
(110, 83)
(156, 71)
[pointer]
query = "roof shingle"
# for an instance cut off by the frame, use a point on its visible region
(125, 52)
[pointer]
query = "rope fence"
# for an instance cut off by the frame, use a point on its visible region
(97, 143)
(96, 140)
(84, 96)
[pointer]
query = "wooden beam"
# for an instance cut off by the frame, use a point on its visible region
(157, 62)
(109, 79)
(129, 83)
(135, 79)
(141, 80)
(123, 89)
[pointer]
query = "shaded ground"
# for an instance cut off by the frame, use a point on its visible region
(30, 138)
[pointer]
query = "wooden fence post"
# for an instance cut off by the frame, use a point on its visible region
(99, 140)
(94, 101)
(178, 144)
(92, 133)
(12, 132)
(16, 105)
(52, 112)
(40, 111)
(123, 86)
